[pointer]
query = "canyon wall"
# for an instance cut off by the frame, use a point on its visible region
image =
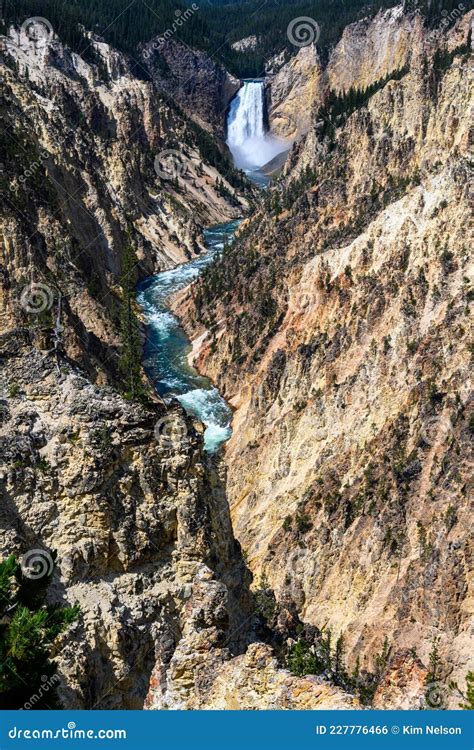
(339, 329)
(200, 86)
(95, 161)
(292, 93)
(120, 489)
(368, 51)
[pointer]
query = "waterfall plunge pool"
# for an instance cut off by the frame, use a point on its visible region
(167, 346)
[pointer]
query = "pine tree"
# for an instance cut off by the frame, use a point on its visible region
(468, 705)
(434, 691)
(326, 649)
(435, 663)
(381, 660)
(28, 628)
(265, 602)
(356, 671)
(131, 351)
(301, 660)
(339, 658)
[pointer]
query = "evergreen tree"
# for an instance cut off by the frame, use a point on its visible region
(265, 602)
(356, 671)
(119, 23)
(381, 660)
(434, 693)
(131, 350)
(301, 660)
(326, 649)
(28, 628)
(468, 704)
(434, 671)
(339, 658)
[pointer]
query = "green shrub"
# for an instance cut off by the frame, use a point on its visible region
(28, 629)
(265, 602)
(301, 659)
(468, 704)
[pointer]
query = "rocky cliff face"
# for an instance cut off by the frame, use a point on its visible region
(139, 518)
(94, 160)
(200, 86)
(368, 51)
(249, 682)
(114, 487)
(343, 342)
(122, 491)
(292, 93)
(119, 491)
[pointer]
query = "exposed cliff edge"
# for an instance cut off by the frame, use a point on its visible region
(342, 340)
(368, 51)
(139, 518)
(121, 490)
(200, 86)
(292, 93)
(94, 160)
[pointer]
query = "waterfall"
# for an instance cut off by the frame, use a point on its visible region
(246, 115)
(248, 142)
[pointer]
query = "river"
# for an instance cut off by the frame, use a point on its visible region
(167, 347)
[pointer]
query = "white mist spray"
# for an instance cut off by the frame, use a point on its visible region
(250, 146)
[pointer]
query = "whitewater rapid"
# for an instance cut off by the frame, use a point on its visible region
(167, 346)
(249, 142)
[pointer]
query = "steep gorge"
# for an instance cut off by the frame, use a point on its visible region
(93, 162)
(121, 490)
(339, 329)
(368, 51)
(346, 480)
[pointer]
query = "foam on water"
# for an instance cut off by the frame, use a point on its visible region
(167, 346)
(211, 409)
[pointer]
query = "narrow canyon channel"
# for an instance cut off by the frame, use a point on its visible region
(167, 346)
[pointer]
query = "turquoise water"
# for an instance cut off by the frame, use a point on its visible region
(167, 346)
